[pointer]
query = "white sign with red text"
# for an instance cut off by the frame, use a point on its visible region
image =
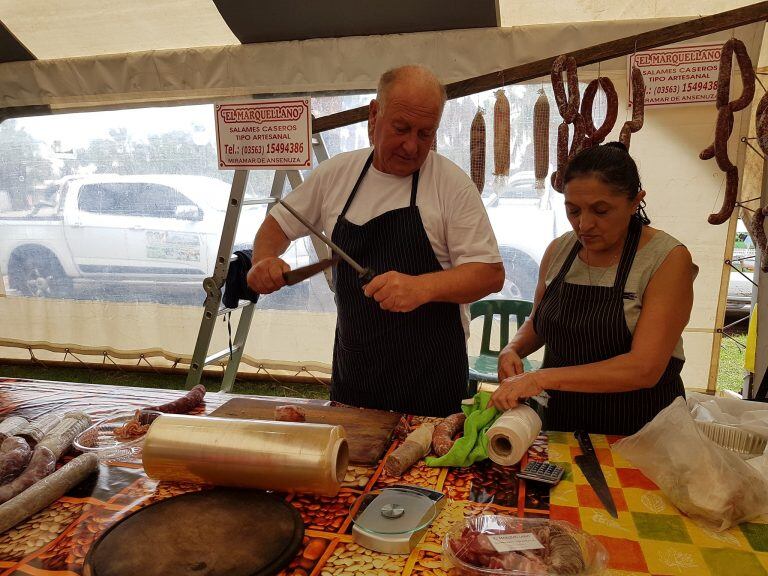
(680, 75)
(270, 134)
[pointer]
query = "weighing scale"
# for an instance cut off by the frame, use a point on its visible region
(394, 521)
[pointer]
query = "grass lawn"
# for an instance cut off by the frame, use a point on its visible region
(729, 376)
(730, 371)
(157, 380)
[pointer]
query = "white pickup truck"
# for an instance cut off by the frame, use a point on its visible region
(121, 235)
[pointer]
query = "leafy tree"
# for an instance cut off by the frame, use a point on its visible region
(23, 168)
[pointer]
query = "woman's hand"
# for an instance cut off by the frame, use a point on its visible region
(512, 390)
(510, 363)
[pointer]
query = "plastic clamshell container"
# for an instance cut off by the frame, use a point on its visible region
(494, 545)
(744, 443)
(101, 439)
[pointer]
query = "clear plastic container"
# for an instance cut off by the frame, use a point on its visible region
(104, 438)
(489, 545)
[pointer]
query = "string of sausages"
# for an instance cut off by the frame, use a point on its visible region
(568, 106)
(758, 220)
(725, 110)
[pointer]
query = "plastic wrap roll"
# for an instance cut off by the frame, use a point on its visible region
(285, 456)
(512, 434)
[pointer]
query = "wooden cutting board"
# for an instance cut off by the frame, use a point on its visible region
(368, 431)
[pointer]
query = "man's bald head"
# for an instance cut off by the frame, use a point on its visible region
(414, 77)
(403, 119)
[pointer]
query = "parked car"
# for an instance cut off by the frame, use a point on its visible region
(149, 237)
(525, 221)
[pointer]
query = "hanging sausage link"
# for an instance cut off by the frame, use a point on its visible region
(758, 233)
(725, 111)
(593, 135)
(638, 108)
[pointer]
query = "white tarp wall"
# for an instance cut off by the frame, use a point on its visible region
(682, 190)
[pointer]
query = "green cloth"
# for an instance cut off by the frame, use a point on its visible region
(473, 446)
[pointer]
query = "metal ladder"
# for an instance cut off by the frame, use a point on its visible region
(212, 308)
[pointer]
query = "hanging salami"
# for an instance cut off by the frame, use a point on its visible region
(477, 150)
(541, 139)
(501, 135)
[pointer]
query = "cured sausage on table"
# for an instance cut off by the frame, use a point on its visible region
(186, 403)
(14, 457)
(40, 465)
(290, 413)
(442, 439)
(414, 448)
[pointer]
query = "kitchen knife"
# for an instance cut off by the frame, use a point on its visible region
(590, 466)
(299, 274)
(365, 274)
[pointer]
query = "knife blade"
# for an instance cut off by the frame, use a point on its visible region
(365, 274)
(590, 467)
(300, 274)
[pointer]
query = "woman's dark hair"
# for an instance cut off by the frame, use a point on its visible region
(612, 165)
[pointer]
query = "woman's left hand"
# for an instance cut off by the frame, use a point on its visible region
(515, 389)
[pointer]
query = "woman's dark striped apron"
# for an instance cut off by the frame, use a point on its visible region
(585, 324)
(414, 362)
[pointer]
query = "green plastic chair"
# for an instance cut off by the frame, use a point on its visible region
(484, 368)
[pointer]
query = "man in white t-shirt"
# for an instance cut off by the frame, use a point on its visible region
(416, 219)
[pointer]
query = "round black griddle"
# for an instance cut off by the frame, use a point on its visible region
(219, 532)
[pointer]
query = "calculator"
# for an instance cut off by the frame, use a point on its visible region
(542, 472)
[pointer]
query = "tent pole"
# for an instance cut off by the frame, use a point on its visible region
(761, 350)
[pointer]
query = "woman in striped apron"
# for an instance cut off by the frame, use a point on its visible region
(612, 300)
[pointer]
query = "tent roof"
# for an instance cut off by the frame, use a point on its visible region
(47, 29)
(55, 29)
(62, 55)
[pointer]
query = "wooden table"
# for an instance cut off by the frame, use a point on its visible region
(650, 537)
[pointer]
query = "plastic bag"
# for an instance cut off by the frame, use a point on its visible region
(747, 415)
(706, 482)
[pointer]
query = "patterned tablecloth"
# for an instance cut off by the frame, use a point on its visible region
(650, 537)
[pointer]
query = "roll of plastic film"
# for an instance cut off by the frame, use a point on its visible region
(285, 456)
(512, 434)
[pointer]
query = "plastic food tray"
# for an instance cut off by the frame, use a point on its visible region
(470, 546)
(744, 443)
(101, 439)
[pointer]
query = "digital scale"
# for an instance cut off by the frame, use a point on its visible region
(394, 520)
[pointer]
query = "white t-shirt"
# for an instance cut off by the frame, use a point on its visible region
(451, 209)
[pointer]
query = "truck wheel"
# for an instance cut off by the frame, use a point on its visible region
(521, 275)
(37, 272)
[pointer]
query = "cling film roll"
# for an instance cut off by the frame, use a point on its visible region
(285, 456)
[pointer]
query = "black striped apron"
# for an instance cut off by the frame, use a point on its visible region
(585, 324)
(413, 362)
